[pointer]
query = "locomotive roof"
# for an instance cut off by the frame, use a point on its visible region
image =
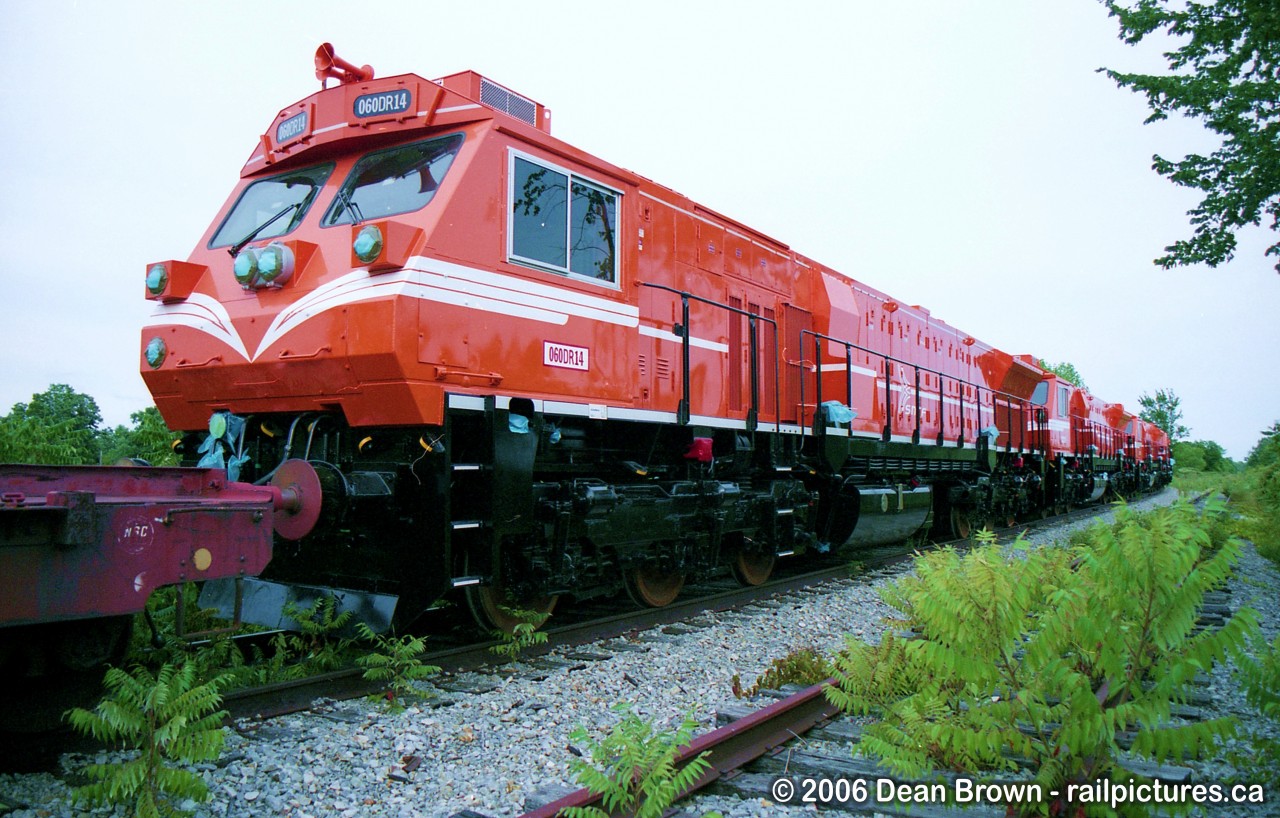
(319, 125)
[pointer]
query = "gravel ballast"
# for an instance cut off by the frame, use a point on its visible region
(502, 751)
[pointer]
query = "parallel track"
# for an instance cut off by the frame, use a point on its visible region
(731, 747)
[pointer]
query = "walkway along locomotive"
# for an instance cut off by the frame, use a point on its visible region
(510, 367)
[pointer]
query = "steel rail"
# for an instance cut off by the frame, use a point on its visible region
(728, 748)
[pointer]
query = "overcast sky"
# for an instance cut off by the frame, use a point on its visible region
(964, 156)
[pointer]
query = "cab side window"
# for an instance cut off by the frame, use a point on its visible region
(563, 222)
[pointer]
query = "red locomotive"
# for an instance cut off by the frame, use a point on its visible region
(481, 358)
(519, 369)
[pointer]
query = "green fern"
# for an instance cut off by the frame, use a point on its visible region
(165, 719)
(524, 635)
(803, 667)
(318, 643)
(633, 768)
(1259, 676)
(1047, 655)
(395, 661)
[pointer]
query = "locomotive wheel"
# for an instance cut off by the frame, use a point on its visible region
(753, 567)
(652, 588)
(494, 609)
(961, 524)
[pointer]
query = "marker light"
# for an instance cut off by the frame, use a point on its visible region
(275, 265)
(157, 279)
(246, 267)
(368, 243)
(156, 352)
(171, 281)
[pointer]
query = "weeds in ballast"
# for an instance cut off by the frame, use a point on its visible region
(165, 720)
(633, 767)
(805, 667)
(523, 636)
(318, 643)
(396, 661)
(1043, 657)
(1259, 676)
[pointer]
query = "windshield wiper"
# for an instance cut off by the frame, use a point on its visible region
(235, 249)
(344, 198)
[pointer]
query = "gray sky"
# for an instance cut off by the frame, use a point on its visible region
(964, 156)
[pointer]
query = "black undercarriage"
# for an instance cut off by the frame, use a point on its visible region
(523, 507)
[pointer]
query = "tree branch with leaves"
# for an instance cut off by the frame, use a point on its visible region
(1226, 72)
(1164, 410)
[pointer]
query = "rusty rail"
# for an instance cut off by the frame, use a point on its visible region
(731, 746)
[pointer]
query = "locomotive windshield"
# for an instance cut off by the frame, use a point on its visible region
(399, 180)
(268, 199)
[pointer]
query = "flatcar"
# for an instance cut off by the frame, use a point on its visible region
(510, 369)
(83, 548)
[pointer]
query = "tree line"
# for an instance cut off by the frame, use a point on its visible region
(63, 427)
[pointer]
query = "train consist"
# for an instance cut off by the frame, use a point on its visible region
(484, 362)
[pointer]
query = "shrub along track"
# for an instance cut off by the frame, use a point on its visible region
(746, 755)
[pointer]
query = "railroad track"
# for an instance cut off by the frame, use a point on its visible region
(274, 700)
(573, 627)
(777, 751)
(587, 625)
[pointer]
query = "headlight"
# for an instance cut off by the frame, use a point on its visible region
(246, 267)
(368, 244)
(275, 265)
(157, 279)
(156, 352)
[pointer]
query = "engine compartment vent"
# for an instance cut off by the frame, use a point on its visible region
(509, 102)
(498, 98)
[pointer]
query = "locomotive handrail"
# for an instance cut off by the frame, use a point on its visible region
(683, 411)
(1101, 436)
(887, 431)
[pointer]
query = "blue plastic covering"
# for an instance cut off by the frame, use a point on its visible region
(518, 424)
(836, 413)
(225, 434)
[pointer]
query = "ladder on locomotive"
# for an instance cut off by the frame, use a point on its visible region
(467, 512)
(488, 459)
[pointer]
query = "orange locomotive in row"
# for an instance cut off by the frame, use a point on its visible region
(505, 365)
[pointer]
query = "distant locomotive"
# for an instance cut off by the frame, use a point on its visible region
(490, 361)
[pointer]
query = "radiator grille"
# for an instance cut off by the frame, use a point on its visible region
(500, 99)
